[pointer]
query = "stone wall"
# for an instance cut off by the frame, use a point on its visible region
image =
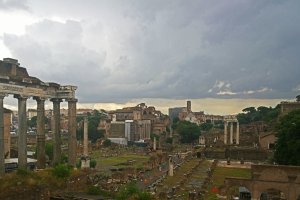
(237, 154)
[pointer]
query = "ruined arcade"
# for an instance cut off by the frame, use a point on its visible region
(14, 80)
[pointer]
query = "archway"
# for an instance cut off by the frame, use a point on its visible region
(272, 194)
(238, 192)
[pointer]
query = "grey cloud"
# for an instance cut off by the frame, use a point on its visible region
(13, 5)
(115, 51)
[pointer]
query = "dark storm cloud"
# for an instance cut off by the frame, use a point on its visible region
(117, 50)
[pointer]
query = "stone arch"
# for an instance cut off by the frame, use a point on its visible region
(273, 194)
(240, 191)
(234, 183)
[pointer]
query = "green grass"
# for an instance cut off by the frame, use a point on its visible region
(221, 173)
(121, 161)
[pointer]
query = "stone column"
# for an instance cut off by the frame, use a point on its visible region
(154, 143)
(72, 152)
(237, 133)
(2, 153)
(171, 167)
(225, 132)
(56, 132)
(22, 132)
(41, 155)
(231, 133)
(85, 137)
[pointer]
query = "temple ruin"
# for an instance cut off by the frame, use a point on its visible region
(14, 80)
(233, 139)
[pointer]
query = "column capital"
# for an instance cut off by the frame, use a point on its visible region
(72, 100)
(56, 100)
(40, 98)
(2, 95)
(22, 97)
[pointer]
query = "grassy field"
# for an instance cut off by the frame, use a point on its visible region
(219, 176)
(120, 161)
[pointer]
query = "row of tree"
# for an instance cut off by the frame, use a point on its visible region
(262, 113)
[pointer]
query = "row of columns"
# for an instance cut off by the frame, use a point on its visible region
(22, 132)
(237, 136)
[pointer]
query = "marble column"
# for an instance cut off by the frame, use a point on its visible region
(231, 132)
(225, 132)
(154, 143)
(237, 133)
(2, 153)
(56, 132)
(85, 137)
(171, 167)
(22, 132)
(41, 155)
(72, 152)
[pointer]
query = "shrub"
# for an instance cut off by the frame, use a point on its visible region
(94, 190)
(61, 171)
(107, 143)
(93, 163)
(23, 172)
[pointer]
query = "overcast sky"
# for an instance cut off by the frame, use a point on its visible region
(119, 50)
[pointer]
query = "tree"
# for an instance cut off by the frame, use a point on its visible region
(206, 126)
(262, 113)
(249, 110)
(188, 131)
(298, 98)
(32, 122)
(49, 150)
(287, 147)
(93, 122)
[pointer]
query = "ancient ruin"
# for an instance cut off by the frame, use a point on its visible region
(285, 179)
(14, 80)
(231, 120)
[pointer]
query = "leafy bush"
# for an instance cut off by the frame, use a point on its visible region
(93, 163)
(78, 164)
(61, 171)
(169, 140)
(64, 158)
(107, 143)
(131, 191)
(23, 172)
(94, 190)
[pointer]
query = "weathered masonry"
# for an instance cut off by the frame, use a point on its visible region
(14, 80)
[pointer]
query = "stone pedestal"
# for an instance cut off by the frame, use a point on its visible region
(85, 162)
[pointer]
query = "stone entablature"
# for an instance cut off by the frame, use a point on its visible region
(15, 80)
